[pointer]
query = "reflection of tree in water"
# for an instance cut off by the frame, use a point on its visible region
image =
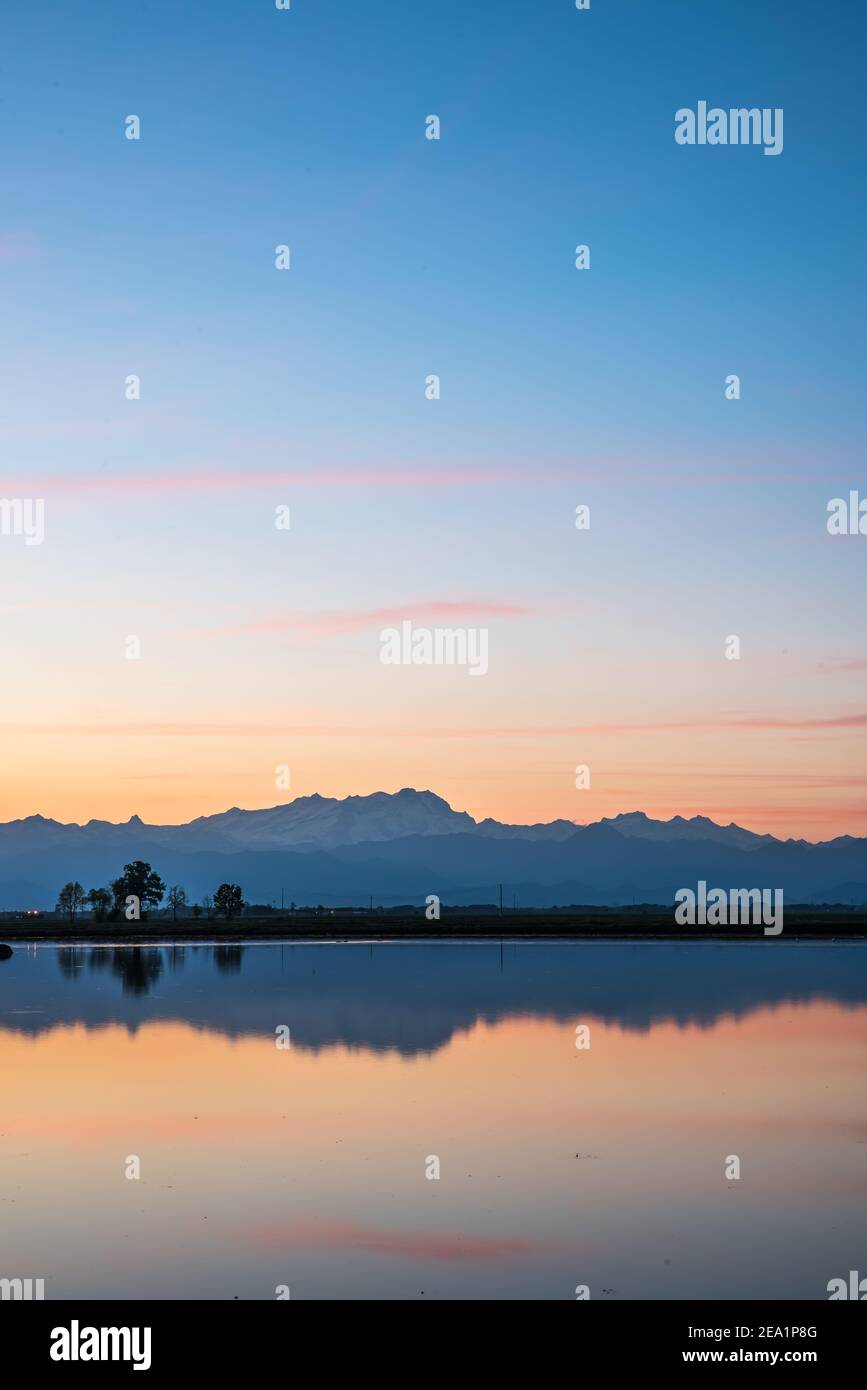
(71, 960)
(139, 967)
(227, 959)
(98, 958)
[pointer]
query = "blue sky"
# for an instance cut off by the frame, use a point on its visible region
(306, 126)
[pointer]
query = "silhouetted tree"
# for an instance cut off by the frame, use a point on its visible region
(70, 900)
(177, 897)
(99, 900)
(138, 880)
(227, 900)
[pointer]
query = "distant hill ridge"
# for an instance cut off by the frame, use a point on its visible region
(327, 821)
(399, 846)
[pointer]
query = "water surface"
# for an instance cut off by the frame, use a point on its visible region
(306, 1166)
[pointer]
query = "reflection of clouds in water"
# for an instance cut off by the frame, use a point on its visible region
(418, 1245)
(414, 997)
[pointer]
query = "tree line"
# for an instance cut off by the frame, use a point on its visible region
(138, 888)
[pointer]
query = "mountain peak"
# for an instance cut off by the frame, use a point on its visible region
(638, 825)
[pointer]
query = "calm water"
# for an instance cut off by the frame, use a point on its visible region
(305, 1166)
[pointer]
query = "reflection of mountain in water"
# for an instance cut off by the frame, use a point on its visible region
(414, 997)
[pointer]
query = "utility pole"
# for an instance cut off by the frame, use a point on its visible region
(501, 899)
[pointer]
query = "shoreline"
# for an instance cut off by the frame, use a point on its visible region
(804, 924)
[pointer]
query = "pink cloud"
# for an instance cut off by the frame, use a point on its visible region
(213, 481)
(843, 721)
(829, 668)
(250, 728)
(326, 623)
(557, 470)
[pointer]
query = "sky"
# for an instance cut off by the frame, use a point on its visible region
(306, 389)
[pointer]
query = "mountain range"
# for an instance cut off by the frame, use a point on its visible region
(399, 847)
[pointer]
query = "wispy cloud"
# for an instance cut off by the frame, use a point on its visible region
(758, 722)
(831, 668)
(248, 728)
(229, 480)
(331, 623)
